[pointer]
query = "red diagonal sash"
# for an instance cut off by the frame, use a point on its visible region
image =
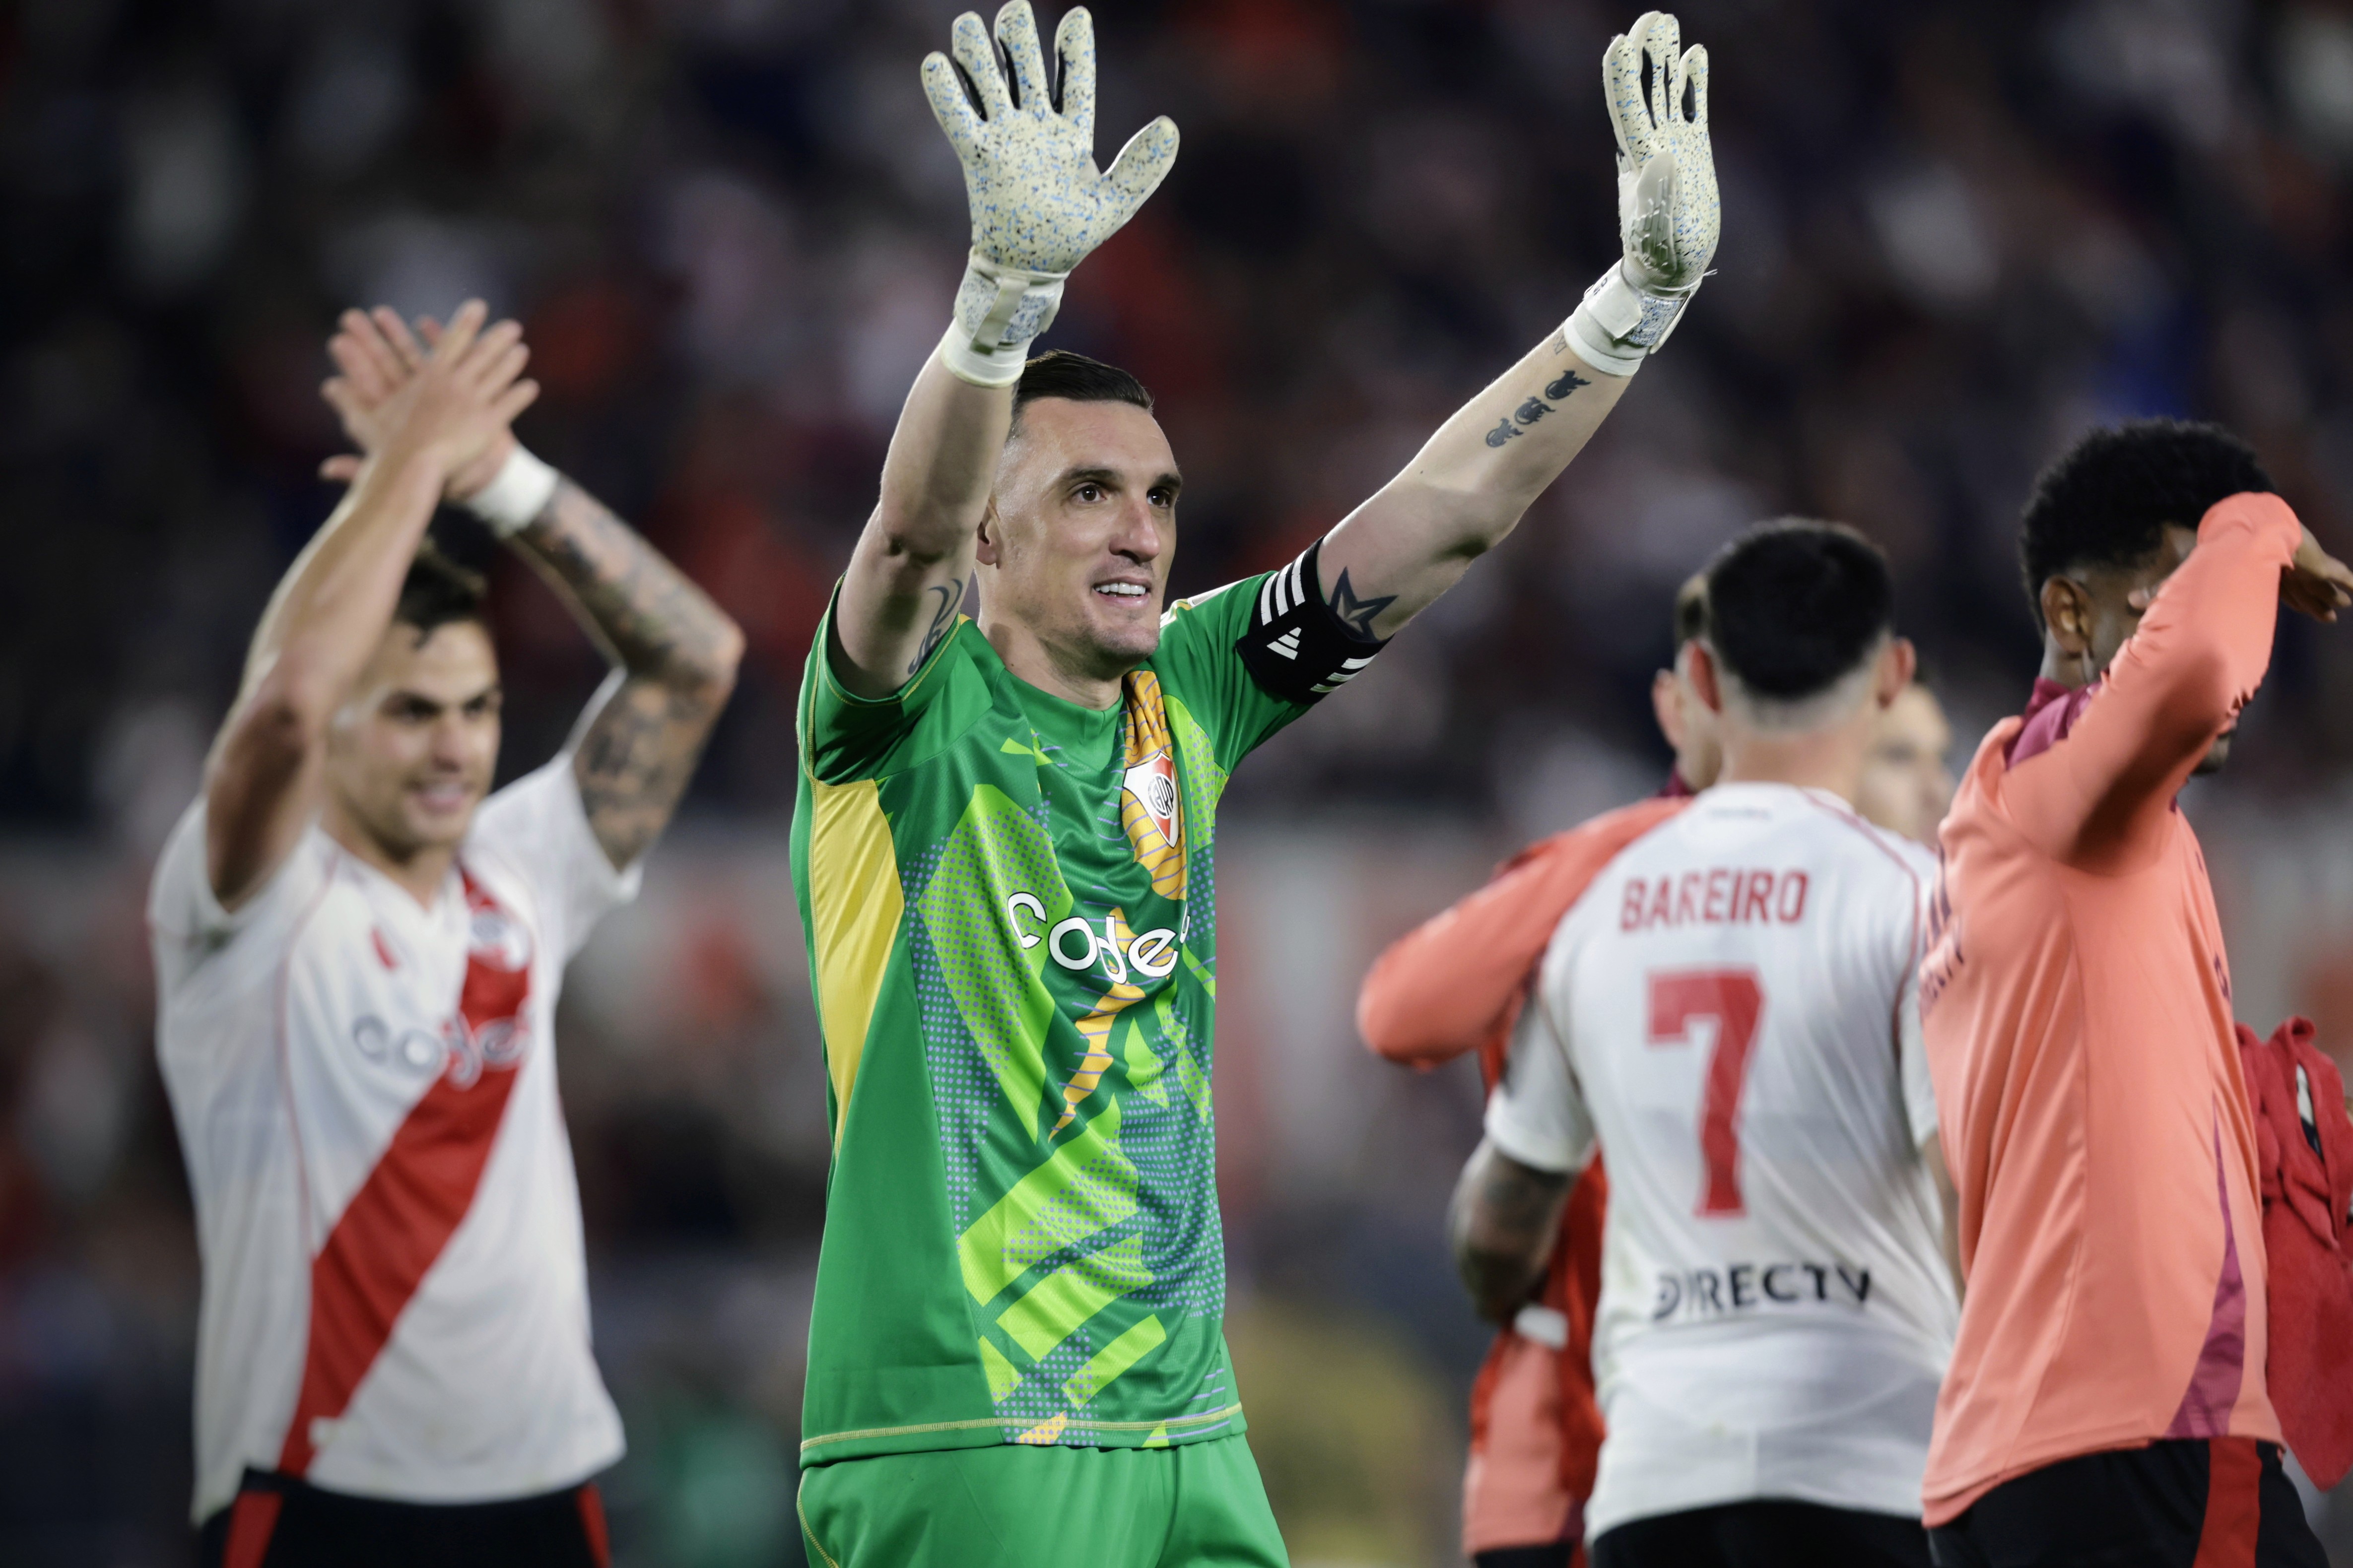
(404, 1213)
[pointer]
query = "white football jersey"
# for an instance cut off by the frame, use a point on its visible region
(395, 1297)
(1731, 1008)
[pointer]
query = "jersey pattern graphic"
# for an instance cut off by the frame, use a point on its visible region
(1022, 1241)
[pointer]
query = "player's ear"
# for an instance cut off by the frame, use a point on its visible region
(1702, 671)
(2067, 614)
(988, 546)
(1667, 707)
(1898, 662)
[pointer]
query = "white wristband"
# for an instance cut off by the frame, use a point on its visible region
(1618, 324)
(999, 310)
(519, 493)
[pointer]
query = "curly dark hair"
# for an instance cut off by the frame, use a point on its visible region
(2107, 499)
(1794, 605)
(437, 592)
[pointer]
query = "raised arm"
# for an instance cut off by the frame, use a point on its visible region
(1038, 205)
(1469, 486)
(2199, 652)
(331, 608)
(676, 651)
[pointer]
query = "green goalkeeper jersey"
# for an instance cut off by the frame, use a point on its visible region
(1011, 918)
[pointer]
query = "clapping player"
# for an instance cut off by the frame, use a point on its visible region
(358, 957)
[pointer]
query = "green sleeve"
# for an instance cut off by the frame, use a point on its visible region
(845, 737)
(1197, 664)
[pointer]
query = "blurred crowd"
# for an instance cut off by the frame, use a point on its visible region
(1954, 235)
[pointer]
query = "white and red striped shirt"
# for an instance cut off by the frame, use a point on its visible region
(395, 1298)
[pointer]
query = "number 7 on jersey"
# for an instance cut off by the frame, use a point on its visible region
(1734, 999)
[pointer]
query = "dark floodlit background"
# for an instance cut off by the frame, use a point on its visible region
(1954, 235)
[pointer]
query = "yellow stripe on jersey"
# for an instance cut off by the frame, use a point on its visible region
(855, 902)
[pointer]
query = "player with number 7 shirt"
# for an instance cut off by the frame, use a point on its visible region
(1730, 1005)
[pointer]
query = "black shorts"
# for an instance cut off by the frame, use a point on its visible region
(1560, 1554)
(2186, 1502)
(1769, 1532)
(279, 1522)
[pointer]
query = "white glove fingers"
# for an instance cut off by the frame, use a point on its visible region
(1017, 31)
(1621, 89)
(968, 44)
(1694, 69)
(1140, 167)
(950, 107)
(1661, 40)
(1074, 74)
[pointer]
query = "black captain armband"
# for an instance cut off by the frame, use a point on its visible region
(1300, 648)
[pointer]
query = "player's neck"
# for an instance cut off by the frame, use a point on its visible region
(2072, 670)
(1826, 760)
(418, 872)
(1031, 661)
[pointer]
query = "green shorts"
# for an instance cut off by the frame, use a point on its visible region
(1197, 1505)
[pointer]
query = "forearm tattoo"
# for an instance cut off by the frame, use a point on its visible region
(676, 646)
(1506, 1215)
(1535, 409)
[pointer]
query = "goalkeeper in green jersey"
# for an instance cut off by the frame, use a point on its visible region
(1005, 843)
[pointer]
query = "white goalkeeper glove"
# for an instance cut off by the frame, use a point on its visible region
(1039, 203)
(1667, 213)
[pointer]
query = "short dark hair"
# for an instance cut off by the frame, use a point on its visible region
(1794, 605)
(1057, 372)
(437, 592)
(2107, 499)
(1691, 609)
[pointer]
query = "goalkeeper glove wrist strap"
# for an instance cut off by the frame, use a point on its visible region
(521, 491)
(999, 310)
(1620, 323)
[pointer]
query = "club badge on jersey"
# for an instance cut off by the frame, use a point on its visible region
(1295, 645)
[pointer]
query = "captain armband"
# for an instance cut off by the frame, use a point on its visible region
(1296, 645)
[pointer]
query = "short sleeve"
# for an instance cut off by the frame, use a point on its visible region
(1537, 1114)
(538, 827)
(845, 737)
(1198, 665)
(184, 915)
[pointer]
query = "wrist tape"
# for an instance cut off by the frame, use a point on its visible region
(521, 491)
(999, 311)
(1294, 645)
(1619, 325)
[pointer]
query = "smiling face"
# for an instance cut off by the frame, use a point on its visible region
(412, 753)
(1081, 525)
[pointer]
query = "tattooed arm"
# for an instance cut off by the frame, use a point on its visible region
(1502, 1225)
(1466, 488)
(677, 651)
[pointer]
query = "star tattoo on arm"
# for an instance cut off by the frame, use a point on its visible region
(1356, 613)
